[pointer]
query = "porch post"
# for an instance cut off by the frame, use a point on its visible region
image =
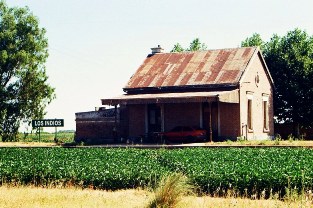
(201, 115)
(146, 119)
(115, 124)
(218, 119)
(211, 132)
(162, 117)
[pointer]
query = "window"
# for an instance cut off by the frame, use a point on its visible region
(249, 111)
(250, 120)
(265, 113)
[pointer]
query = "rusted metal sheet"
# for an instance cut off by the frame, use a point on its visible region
(192, 68)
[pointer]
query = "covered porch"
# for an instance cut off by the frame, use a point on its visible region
(217, 112)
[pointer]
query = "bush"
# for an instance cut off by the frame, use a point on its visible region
(170, 191)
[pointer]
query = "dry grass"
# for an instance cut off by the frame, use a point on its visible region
(209, 202)
(27, 144)
(71, 197)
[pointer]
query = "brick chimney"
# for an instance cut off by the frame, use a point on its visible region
(156, 50)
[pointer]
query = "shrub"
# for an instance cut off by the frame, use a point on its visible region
(170, 191)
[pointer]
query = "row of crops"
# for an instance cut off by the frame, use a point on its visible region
(246, 170)
(64, 136)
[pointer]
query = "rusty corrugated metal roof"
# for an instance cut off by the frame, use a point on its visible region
(224, 66)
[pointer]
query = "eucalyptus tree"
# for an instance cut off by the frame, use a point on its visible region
(24, 88)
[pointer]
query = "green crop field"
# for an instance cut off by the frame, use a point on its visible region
(46, 137)
(215, 170)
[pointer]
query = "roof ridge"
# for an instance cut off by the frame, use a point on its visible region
(206, 50)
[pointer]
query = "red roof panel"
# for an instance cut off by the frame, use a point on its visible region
(192, 68)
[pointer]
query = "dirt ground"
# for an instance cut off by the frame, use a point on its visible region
(256, 143)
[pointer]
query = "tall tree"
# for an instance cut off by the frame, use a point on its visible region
(254, 40)
(24, 91)
(290, 61)
(195, 45)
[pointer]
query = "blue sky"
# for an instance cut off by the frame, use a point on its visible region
(96, 45)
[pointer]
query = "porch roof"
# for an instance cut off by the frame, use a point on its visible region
(182, 97)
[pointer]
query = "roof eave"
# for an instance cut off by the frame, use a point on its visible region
(256, 53)
(230, 96)
(182, 88)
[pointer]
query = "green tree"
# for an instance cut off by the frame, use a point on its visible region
(177, 48)
(290, 61)
(254, 40)
(195, 45)
(24, 91)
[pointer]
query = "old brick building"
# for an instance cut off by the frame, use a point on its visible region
(228, 92)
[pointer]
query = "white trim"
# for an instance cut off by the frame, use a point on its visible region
(250, 95)
(265, 98)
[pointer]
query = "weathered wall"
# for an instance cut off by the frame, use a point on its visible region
(256, 90)
(229, 114)
(98, 126)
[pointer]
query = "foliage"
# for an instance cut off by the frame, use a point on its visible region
(62, 137)
(254, 40)
(215, 171)
(88, 167)
(24, 91)
(170, 191)
(290, 61)
(195, 45)
(177, 48)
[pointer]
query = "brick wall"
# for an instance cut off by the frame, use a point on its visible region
(95, 131)
(136, 120)
(229, 120)
(98, 127)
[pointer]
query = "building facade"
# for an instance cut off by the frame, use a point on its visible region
(228, 92)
